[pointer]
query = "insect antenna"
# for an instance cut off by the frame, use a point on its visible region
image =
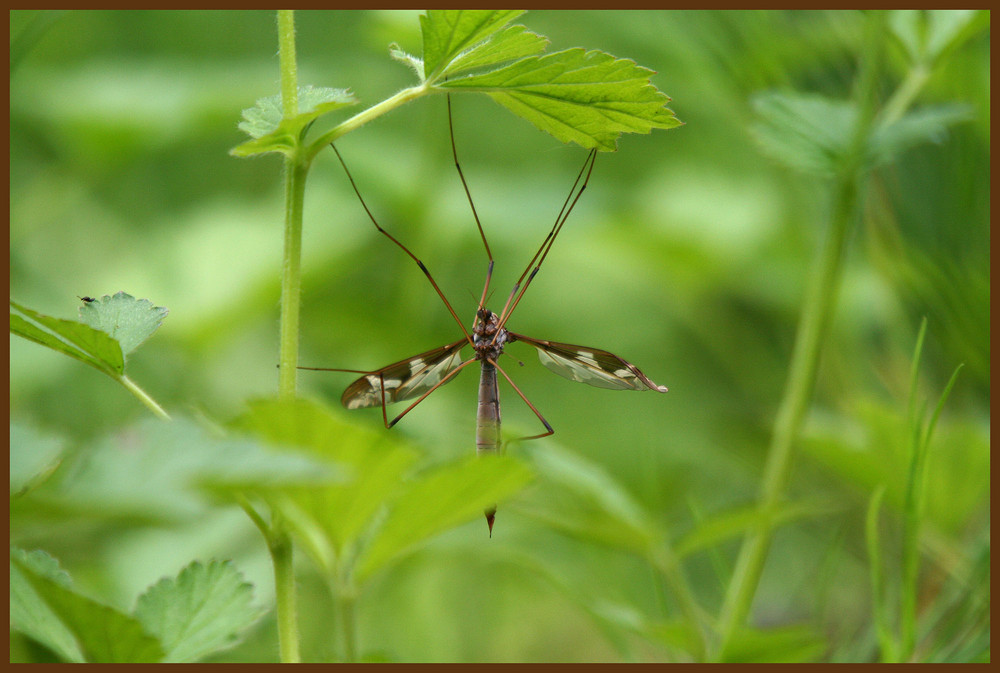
(403, 247)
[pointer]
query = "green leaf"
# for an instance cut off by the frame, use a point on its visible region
(185, 462)
(330, 518)
(586, 97)
(927, 34)
(448, 33)
(806, 132)
(33, 457)
(29, 614)
(75, 339)
(512, 43)
(271, 132)
(414, 63)
(733, 523)
(440, 499)
(124, 318)
(926, 124)
(103, 634)
(580, 498)
(811, 133)
(201, 611)
(788, 644)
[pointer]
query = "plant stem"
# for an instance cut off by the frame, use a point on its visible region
(144, 397)
(295, 177)
(280, 547)
(291, 277)
(346, 600)
(365, 116)
(816, 313)
(278, 540)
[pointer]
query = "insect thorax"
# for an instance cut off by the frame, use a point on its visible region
(488, 337)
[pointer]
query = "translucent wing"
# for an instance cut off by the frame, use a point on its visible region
(589, 365)
(405, 379)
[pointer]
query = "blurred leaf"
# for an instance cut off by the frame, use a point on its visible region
(811, 133)
(449, 33)
(928, 34)
(33, 457)
(804, 131)
(29, 614)
(798, 644)
(73, 338)
(580, 498)
(926, 124)
(103, 634)
(124, 318)
(713, 531)
(271, 132)
(440, 499)
(333, 516)
(587, 97)
(181, 459)
(201, 611)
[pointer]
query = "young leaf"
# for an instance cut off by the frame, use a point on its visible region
(199, 612)
(440, 499)
(587, 97)
(75, 339)
(102, 634)
(448, 33)
(126, 319)
(271, 132)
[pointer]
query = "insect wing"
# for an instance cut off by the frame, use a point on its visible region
(590, 365)
(405, 379)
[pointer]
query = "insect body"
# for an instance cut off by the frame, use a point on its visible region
(418, 376)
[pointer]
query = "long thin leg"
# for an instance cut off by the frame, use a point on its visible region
(420, 399)
(479, 225)
(531, 406)
(403, 247)
(543, 250)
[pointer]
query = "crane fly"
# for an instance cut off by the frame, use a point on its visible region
(416, 377)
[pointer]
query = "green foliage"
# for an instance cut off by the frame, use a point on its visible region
(273, 132)
(690, 253)
(589, 98)
(363, 524)
(77, 340)
(124, 318)
(113, 327)
(201, 611)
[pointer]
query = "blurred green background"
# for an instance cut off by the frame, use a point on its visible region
(687, 256)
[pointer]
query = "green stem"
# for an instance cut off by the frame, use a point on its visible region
(295, 186)
(280, 547)
(365, 116)
(816, 313)
(291, 277)
(144, 397)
